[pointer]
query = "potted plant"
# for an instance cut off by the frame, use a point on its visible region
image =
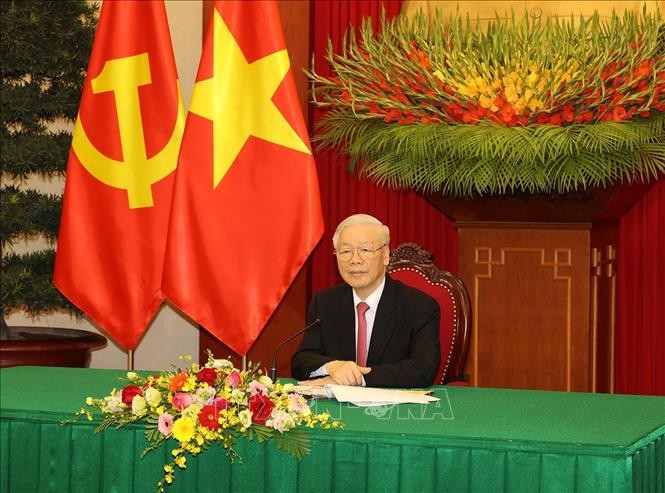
(44, 48)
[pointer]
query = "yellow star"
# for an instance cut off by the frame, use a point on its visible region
(237, 98)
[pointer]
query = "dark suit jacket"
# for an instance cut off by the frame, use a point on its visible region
(404, 348)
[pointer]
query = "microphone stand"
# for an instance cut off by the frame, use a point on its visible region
(273, 368)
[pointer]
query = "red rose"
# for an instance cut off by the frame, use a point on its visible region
(209, 417)
(260, 406)
(207, 375)
(129, 392)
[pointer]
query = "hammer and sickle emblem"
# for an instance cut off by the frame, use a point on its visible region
(136, 173)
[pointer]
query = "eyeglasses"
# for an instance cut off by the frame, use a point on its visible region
(364, 253)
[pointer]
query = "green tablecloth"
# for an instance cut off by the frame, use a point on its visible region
(474, 439)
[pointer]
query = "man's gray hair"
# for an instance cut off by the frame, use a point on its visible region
(384, 232)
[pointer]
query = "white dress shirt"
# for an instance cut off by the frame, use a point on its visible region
(373, 301)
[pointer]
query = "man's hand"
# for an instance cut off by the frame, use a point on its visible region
(346, 372)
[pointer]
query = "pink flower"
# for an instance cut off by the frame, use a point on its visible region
(297, 403)
(257, 388)
(181, 400)
(233, 379)
(165, 423)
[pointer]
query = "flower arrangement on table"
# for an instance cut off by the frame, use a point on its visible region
(526, 105)
(216, 403)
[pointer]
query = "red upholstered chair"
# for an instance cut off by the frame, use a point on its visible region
(412, 265)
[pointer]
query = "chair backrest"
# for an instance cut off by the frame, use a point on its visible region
(413, 265)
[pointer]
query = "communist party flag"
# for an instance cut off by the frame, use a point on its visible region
(246, 207)
(120, 172)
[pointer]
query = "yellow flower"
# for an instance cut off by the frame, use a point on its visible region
(535, 104)
(190, 384)
(439, 75)
(183, 430)
(485, 102)
(532, 79)
(181, 462)
(520, 106)
(511, 93)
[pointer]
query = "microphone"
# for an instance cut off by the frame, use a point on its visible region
(273, 368)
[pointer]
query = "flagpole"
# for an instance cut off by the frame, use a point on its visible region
(130, 359)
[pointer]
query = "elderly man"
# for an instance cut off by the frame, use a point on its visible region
(374, 331)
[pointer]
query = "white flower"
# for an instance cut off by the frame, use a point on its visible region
(139, 405)
(191, 412)
(153, 396)
(223, 364)
(238, 397)
(132, 376)
(257, 388)
(204, 396)
(281, 421)
(265, 380)
(113, 403)
(245, 418)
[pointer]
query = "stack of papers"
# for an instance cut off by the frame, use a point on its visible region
(367, 396)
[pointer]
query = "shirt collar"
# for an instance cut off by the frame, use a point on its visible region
(373, 299)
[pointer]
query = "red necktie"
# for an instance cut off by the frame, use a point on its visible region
(361, 346)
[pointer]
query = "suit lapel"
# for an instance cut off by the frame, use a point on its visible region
(384, 322)
(347, 330)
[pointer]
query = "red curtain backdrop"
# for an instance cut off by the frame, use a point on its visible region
(640, 336)
(410, 217)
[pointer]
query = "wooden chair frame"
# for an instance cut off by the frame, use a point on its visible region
(410, 256)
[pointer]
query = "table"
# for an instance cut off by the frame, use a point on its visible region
(474, 439)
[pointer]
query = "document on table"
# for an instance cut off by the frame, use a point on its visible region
(367, 396)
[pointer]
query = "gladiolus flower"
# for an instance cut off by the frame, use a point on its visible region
(619, 113)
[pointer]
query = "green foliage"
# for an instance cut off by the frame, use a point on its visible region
(29, 213)
(296, 443)
(465, 160)
(44, 50)
(25, 284)
(24, 153)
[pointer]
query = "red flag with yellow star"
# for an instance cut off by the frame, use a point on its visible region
(246, 208)
(120, 172)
